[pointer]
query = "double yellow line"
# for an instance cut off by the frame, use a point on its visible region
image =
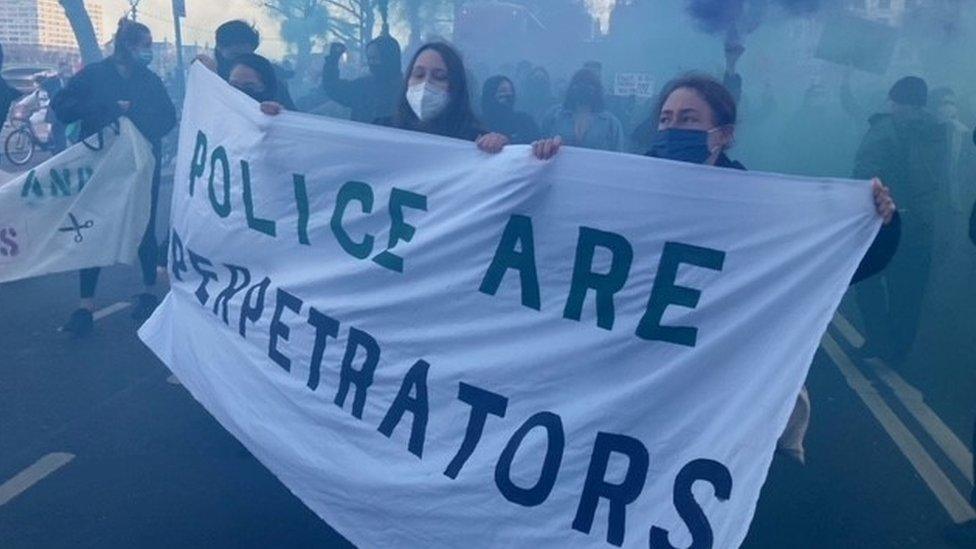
(954, 502)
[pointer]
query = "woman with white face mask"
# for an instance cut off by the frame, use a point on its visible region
(436, 99)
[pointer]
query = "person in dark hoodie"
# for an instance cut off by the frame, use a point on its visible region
(375, 95)
(7, 93)
(235, 38)
(120, 85)
(499, 115)
(907, 147)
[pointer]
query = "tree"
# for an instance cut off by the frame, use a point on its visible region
(302, 23)
(361, 15)
(83, 29)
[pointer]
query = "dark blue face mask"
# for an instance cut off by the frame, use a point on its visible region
(681, 145)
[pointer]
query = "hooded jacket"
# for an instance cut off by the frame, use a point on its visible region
(908, 150)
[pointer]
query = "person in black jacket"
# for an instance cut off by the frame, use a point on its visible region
(972, 216)
(7, 93)
(375, 95)
(52, 87)
(908, 148)
(121, 85)
(499, 114)
(236, 38)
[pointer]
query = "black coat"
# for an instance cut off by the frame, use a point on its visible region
(972, 225)
(518, 126)
(369, 98)
(92, 97)
(7, 96)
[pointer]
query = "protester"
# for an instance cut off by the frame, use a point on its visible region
(7, 93)
(435, 99)
(52, 87)
(499, 114)
(972, 225)
(696, 123)
(121, 85)
(818, 124)
(907, 147)
(945, 108)
(255, 76)
(537, 97)
(235, 38)
(582, 120)
(373, 96)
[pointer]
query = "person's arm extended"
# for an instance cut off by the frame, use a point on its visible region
(881, 252)
(345, 92)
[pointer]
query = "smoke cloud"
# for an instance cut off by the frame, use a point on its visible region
(715, 16)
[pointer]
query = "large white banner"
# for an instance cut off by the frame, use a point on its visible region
(435, 347)
(86, 207)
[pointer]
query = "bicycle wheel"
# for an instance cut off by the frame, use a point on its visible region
(19, 147)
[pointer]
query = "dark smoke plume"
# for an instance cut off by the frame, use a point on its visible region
(717, 16)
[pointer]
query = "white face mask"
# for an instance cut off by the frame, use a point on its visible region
(427, 101)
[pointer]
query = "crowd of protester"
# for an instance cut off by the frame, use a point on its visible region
(920, 148)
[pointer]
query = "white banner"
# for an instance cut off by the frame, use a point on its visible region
(86, 207)
(435, 347)
(638, 84)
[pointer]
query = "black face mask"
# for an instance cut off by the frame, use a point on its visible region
(259, 96)
(582, 95)
(681, 145)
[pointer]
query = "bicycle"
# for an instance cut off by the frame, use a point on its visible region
(22, 142)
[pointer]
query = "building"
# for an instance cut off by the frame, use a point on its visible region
(41, 24)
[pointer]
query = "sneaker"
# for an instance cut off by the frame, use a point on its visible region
(80, 323)
(144, 307)
(962, 535)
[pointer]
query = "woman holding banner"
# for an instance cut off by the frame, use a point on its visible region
(696, 117)
(121, 85)
(435, 99)
(696, 123)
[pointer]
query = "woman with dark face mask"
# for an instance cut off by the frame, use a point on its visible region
(499, 114)
(696, 123)
(582, 120)
(121, 85)
(255, 76)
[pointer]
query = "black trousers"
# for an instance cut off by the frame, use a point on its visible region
(148, 249)
(891, 303)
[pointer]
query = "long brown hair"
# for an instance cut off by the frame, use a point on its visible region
(458, 118)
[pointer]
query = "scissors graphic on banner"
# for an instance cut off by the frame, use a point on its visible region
(77, 227)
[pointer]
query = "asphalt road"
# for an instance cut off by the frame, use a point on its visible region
(100, 448)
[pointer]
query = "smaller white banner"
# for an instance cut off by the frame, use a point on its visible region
(638, 84)
(86, 207)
